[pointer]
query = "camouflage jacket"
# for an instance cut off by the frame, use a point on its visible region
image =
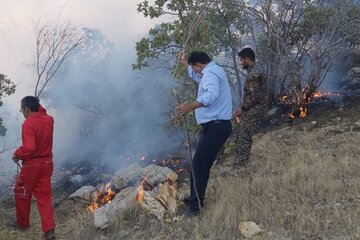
(255, 98)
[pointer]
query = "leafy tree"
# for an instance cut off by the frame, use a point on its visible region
(216, 27)
(7, 87)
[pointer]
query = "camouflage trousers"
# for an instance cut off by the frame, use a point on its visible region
(249, 124)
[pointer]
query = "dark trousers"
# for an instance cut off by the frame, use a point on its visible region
(213, 136)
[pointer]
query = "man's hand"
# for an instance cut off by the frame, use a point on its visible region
(183, 58)
(184, 108)
(188, 107)
(238, 113)
(15, 158)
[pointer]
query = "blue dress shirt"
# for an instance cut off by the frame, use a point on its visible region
(213, 93)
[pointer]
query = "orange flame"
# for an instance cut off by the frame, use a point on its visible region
(102, 196)
(180, 170)
(171, 161)
(283, 98)
(140, 191)
(291, 115)
(322, 94)
(300, 100)
(303, 112)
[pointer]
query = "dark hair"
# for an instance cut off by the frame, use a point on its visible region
(198, 57)
(31, 102)
(247, 53)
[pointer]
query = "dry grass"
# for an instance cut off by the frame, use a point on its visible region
(303, 183)
(307, 189)
(33, 233)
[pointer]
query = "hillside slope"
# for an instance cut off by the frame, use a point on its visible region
(303, 183)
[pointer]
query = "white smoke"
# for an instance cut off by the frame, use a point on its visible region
(130, 105)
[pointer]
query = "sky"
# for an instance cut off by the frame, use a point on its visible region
(117, 20)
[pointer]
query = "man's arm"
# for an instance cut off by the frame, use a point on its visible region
(211, 85)
(188, 107)
(183, 60)
(28, 143)
(193, 75)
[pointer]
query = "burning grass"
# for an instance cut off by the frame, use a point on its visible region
(101, 196)
(298, 102)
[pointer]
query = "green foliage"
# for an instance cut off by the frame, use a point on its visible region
(316, 20)
(204, 25)
(7, 87)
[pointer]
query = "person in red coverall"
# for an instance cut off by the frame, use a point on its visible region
(37, 166)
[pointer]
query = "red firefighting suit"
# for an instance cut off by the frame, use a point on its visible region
(35, 175)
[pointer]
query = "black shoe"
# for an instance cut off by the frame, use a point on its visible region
(191, 213)
(187, 202)
(13, 224)
(50, 234)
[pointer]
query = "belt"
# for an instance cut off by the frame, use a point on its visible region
(214, 122)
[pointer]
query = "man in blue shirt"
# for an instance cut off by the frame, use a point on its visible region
(213, 111)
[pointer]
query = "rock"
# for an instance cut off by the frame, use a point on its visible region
(153, 206)
(124, 177)
(118, 182)
(123, 200)
(104, 215)
(100, 217)
(156, 174)
(167, 196)
(249, 229)
(85, 192)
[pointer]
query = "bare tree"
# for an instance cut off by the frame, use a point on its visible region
(54, 44)
(300, 42)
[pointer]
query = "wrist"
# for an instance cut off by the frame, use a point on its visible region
(196, 105)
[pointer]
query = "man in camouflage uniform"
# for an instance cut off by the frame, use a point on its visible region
(254, 105)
